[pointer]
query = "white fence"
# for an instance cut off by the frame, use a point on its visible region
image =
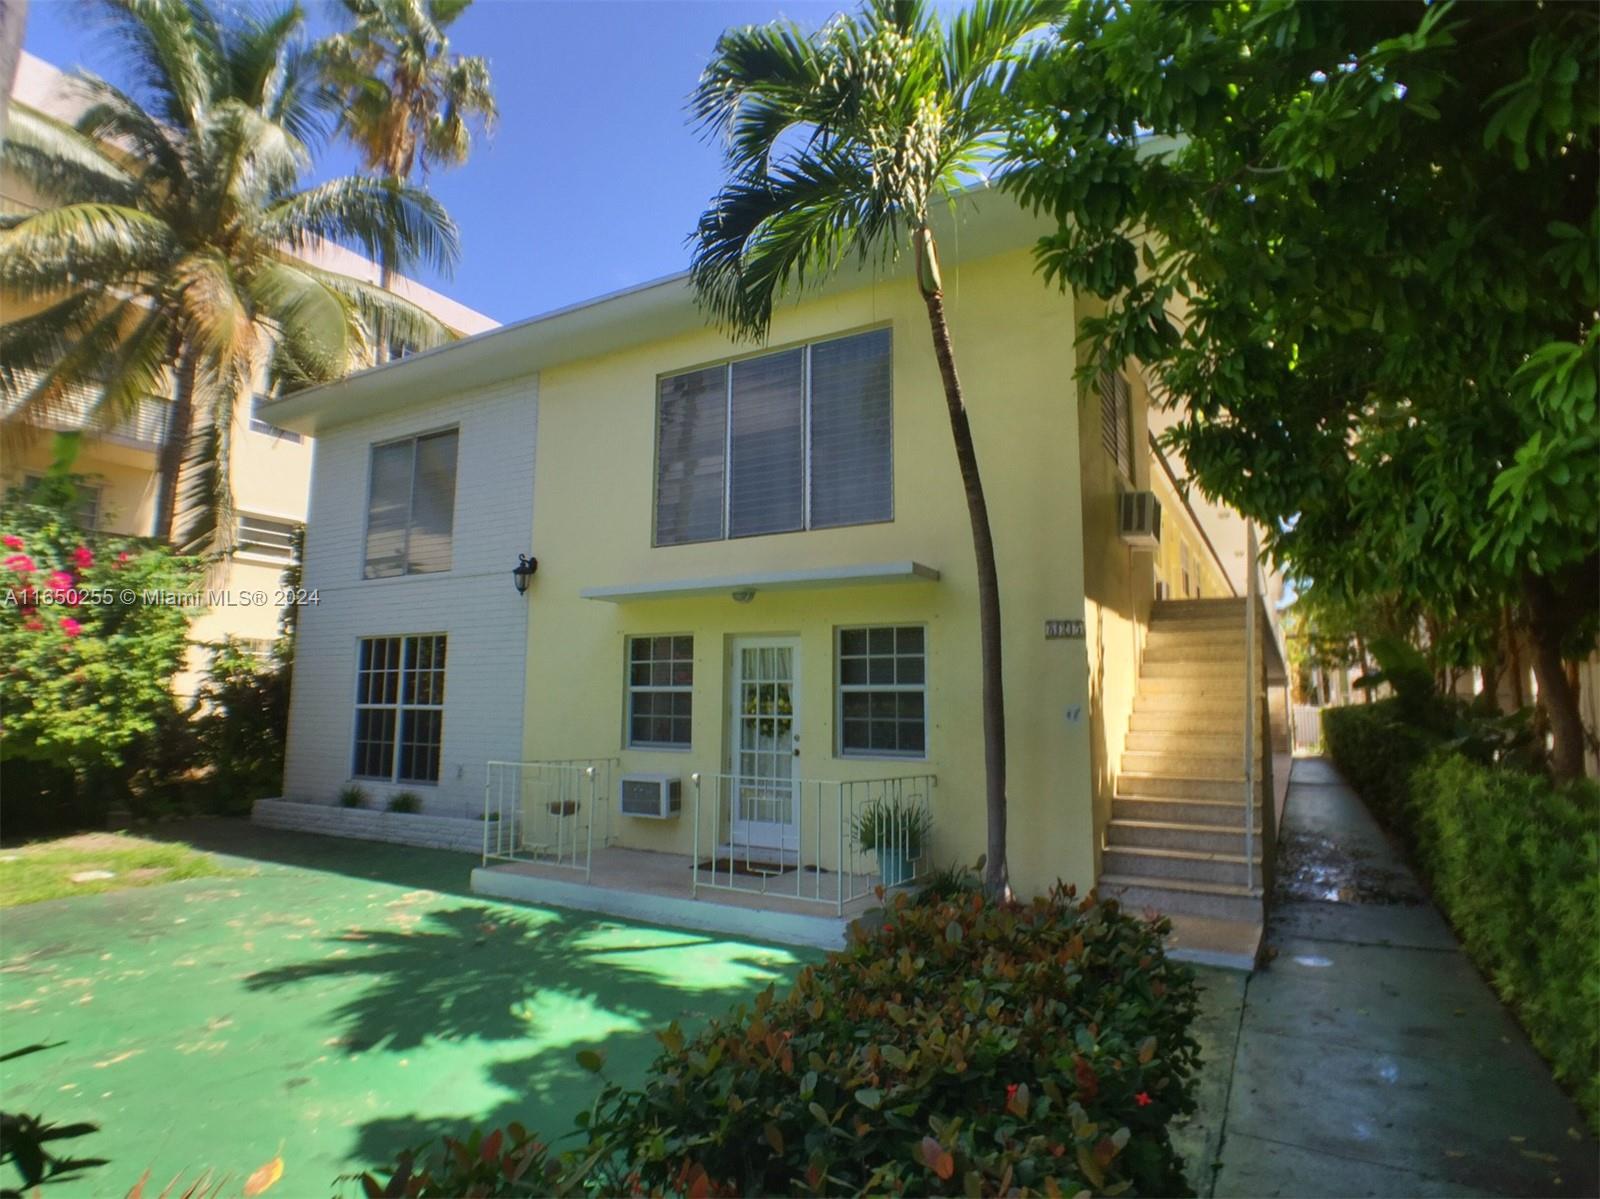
(551, 812)
(821, 841)
(1307, 726)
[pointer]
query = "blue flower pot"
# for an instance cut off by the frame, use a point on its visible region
(895, 868)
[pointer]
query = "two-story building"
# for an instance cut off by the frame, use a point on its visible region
(741, 689)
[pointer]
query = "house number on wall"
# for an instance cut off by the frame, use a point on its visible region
(1063, 630)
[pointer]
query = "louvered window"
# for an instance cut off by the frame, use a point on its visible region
(411, 504)
(1116, 420)
(795, 440)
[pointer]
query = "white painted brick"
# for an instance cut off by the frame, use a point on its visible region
(474, 603)
(428, 832)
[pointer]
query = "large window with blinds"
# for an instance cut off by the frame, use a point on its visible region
(411, 505)
(799, 439)
(1116, 420)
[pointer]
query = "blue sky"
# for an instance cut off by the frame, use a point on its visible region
(594, 178)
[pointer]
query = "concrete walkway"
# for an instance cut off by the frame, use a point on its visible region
(1369, 1057)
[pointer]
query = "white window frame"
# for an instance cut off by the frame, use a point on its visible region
(630, 689)
(411, 503)
(249, 550)
(841, 689)
(726, 364)
(399, 707)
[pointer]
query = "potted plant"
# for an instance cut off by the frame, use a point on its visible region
(896, 829)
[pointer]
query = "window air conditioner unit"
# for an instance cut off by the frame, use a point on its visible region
(650, 796)
(1141, 518)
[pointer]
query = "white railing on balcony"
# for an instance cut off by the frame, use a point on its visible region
(552, 812)
(821, 841)
(146, 425)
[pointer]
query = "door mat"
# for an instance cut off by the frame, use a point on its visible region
(751, 868)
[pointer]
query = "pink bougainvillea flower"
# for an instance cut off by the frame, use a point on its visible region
(21, 563)
(34, 626)
(1143, 1099)
(70, 627)
(124, 558)
(59, 580)
(84, 557)
(13, 542)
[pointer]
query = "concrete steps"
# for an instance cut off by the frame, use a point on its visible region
(1176, 839)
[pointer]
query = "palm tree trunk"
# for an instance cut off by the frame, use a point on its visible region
(170, 463)
(996, 877)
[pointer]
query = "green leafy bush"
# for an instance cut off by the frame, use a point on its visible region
(1515, 863)
(353, 795)
(961, 1048)
(1376, 751)
(242, 716)
(407, 803)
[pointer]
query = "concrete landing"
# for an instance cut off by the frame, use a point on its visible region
(1369, 1057)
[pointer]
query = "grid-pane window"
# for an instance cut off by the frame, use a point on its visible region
(660, 692)
(883, 691)
(400, 708)
(411, 504)
(1116, 420)
(259, 424)
(265, 537)
(799, 439)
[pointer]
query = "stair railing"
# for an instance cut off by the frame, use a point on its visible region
(1251, 596)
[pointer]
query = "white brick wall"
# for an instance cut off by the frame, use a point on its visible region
(461, 834)
(474, 603)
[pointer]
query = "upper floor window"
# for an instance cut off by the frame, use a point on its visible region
(799, 439)
(260, 425)
(265, 537)
(1116, 420)
(411, 504)
(87, 497)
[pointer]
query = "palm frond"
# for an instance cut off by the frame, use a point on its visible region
(215, 315)
(112, 116)
(761, 81)
(60, 163)
(318, 333)
(96, 245)
(173, 48)
(389, 222)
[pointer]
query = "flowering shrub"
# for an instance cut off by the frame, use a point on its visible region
(85, 661)
(963, 1048)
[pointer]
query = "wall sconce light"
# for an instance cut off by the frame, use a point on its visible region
(523, 571)
(744, 595)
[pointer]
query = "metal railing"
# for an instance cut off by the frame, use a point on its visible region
(549, 812)
(1260, 635)
(819, 841)
(146, 425)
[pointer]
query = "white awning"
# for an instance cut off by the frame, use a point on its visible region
(774, 580)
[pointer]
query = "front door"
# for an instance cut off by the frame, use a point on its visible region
(766, 741)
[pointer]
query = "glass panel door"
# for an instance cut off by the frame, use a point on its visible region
(765, 740)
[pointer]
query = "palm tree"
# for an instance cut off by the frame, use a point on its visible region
(838, 144)
(166, 261)
(408, 102)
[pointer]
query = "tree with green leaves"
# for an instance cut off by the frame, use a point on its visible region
(408, 102)
(168, 260)
(838, 145)
(1358, 245)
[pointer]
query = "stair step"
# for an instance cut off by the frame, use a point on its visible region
(1178, 738)
(1209, 941)
(1224, 813)
(1163, 786)
(1181, 764)
(1174, 834)
(1221, 688)
(1199, 719)
(1147, 862)
(1193, 667)
(1225, 902)
(1165, 647)
(1180, 609)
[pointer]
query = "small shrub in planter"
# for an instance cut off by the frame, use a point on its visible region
(353, 796)
(407, 803)
(963, 1048)
(897, 831)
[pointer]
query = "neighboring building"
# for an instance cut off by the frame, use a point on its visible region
(271, 467)
(754, 621)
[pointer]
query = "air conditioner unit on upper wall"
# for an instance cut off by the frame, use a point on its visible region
(651, 796)
(1140, 522)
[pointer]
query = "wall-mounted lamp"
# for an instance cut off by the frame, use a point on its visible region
(523, 571)
(744, 595)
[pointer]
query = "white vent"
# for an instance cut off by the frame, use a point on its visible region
(1141, 518)
(650, 796)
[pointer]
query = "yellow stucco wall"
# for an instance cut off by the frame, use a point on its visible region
(592, 528)
(1179, 533)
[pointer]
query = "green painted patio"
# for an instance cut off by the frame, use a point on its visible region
(335, 1002)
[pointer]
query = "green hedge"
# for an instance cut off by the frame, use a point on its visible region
(1515, 863)
(1512, 860)
(963, 1048)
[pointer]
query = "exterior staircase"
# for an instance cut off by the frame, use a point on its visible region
(1176, 839)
